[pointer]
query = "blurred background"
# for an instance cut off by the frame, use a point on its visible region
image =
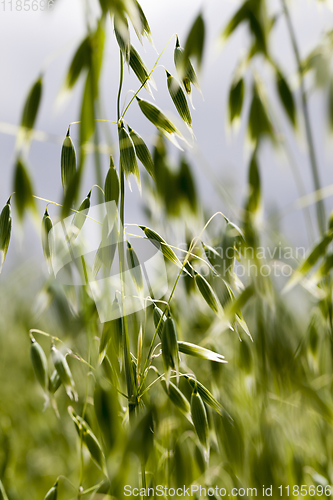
(276, 390)
(31, 40)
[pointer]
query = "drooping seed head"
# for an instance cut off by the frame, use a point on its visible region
(127, 154)
(205, 394)
(157, 315)
(199, 417)
(208, 293)
(39, 364)
(179, 99)
(64, 372)
(200, 352)
(170, 352)
(111, 185)
(177, 398)
(54, 382)
(142, 152)
(88, 438)
(81, 215)
(184, 68)
(5, 231)
(52, 494)
(46, 228)
(139, 68)
(23, 189)
(68, 161)
(31, 105)
(157, 117)
(134, 267)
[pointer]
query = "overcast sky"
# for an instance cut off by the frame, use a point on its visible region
(27, 39)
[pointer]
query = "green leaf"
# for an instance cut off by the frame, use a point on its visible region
(236, 99)
(87, 117)
(286, 97)
(324, 269)
(90, 94)
(305, 267)
(187, 188)
(107, 409)
(141, 438)
(319, 62)
(23, 189)
(241, 15)
(81, 60)
(235, 306)
(254, 200)
(31, 105)
(194, 45)
(259, 122)
(253, 12)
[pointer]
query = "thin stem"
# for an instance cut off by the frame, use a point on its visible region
(92, 488)
(98, 166)
(120, 85)
(146, 80)
(99, 187)
(149, 357)
(96, 120)
(70, 352)
(127, 354)
(192, 245)
(49, 202)
(320, 207)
